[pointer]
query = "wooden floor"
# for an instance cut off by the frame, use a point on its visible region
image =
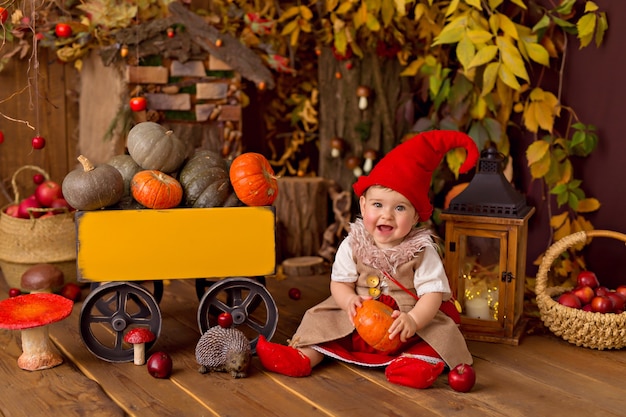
(543, 376)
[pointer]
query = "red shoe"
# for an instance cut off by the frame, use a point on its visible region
(412, 372)
(282, 359)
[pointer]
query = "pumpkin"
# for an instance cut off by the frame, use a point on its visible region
(205, 181)
(92, 187)
(155, 189)
(253, 180)
(372, 322)
(154, 147)
(127, 166)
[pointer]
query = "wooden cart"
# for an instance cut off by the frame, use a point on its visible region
(122, 253)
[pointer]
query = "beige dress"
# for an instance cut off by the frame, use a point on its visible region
(327, 322)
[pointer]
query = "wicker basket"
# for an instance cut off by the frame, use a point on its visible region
(582, 328)
(27, 242)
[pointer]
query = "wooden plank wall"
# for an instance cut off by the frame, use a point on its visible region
(56, 119)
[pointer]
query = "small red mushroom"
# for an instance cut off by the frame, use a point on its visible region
(138, 337)
(337, 146)
(31, 313)
(363, 92)
(354, 163)
(370, 156)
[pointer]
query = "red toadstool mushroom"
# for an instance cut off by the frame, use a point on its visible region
(31, 313)
(363, 92)
(42, 278)
(370, 156)
(138, 337)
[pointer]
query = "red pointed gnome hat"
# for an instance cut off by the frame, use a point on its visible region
(408, 168)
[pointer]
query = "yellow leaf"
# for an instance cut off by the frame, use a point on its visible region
(586, 26)
(507, 77)
(544, 115)
(529, 117)
(413, 68)
(558, 220)
(452, 32)
(344, 7)
(507, 26)
(479, 36)
(590, 7)
(489, 78)
(289, 13)
(484, 55)
(518, 107)
(541, 168)
(538, 53)
(400, 6)
(465, 51)
(511, 57)
(331, 4)
(360, 17)
(536, 151)
(372, 23)
(564, 230)
(520, 3)
(588, 205)
(289, 27)
(474, 3)
(454, 4)
(479, 109)
(306, 13)
(493, 4)
(293, 39)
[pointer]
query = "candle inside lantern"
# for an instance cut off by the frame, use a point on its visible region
(477, 308)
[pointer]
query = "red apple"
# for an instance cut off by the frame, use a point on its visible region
(587, 307)
(584, 294)
(47, 192)
(4, 15)
(462, 378)
(568, 299)
(38, 178)
(294, 293)
(621, 289)
(587, 278)
(14, 292)
(601, 290)
(138, 103)
(28, 203)
(12, 210)
(225, 320)
(618, 300)
(61, 203)
(38, 142)
(159, 365)
(63, 30)
(601, 304)
(71, 291)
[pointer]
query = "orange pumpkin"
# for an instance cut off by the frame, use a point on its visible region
(155, 189)
(372, 322)
(253, 180)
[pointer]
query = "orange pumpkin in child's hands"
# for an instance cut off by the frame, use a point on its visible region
(155, 189)
(253, 180)
(372, 322)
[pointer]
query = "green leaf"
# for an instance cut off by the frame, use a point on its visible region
(542, 24)
(565, 7)
(484, 55)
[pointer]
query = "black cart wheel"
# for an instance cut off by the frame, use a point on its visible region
(155, 287)
(110, 311)
(203, 284)
(251, 305)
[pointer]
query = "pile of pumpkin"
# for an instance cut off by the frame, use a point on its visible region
(157, 174)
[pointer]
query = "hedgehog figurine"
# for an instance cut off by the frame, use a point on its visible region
(224, 350)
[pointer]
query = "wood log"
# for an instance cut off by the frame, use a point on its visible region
(304, 266)
(302, 213)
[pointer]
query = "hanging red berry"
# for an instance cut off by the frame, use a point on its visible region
(4, 15)
(138, 103)
(1, 136)
(38, 142)
(170, 32)
(124, 51)
(38, 179)
(63, 30)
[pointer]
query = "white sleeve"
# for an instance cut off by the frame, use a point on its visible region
(431, 276)
(344, 267)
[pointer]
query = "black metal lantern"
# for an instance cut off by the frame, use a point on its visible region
(486, 236)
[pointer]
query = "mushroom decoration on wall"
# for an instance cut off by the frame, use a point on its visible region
(31, 313)
(363, 92)
(354, 163)
(370, 156)
(337, 146)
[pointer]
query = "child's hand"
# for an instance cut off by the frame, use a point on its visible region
(353, 303)
(403, 325)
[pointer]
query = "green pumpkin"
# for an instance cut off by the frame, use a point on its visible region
(127, 166)
(206, 182)
(92, 188)
(154, 147)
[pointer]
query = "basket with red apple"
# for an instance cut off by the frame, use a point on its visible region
(592, 329)
(38, 228)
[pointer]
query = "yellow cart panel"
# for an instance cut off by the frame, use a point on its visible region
(132, 245)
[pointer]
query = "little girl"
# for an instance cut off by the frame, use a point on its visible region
(387, 258)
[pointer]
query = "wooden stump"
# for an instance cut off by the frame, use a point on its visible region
(302, 215)
(304, 266)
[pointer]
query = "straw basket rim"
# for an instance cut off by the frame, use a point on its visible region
(582, 328)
